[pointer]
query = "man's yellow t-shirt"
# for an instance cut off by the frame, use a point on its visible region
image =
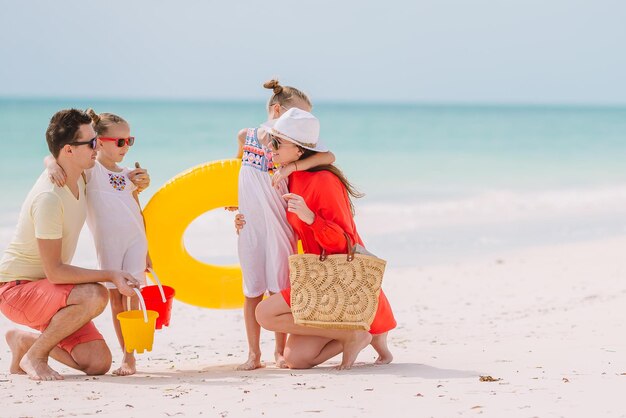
(49, 212)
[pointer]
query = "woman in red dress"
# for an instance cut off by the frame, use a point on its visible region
(320, 212)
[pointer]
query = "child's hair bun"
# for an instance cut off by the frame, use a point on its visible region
(93, 115)
(274, 85)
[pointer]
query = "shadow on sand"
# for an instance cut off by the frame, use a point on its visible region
(227, 375)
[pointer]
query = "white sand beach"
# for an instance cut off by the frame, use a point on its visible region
(547, 323)
(487, 137)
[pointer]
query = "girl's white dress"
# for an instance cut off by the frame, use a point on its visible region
(267, 239)
(115, 221)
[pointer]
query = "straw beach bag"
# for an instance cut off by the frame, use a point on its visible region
(335, 291)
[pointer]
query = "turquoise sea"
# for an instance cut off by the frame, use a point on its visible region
(436, 177)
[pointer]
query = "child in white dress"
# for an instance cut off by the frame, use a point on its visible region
(114, 214)
(267, 241)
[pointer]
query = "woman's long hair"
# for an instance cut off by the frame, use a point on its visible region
(352, 191)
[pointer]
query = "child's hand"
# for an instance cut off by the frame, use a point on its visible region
(148, 262)
(232, 208)
(140, 177)
(297, 205)
(282, 173)
(56, 174)
(239, 222)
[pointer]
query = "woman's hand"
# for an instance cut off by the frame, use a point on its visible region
(282, 173)
(140, 177)
(56, 174)
(239, 222)
(297, 205)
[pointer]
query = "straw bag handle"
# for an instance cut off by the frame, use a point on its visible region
(351, 249)
(158, 282)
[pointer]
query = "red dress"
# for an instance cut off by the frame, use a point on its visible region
(327, 197)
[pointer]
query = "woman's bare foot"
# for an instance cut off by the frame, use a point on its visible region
(280, 360)
(19, 346)
(384, 358)
(379, 342)
(253, 363)
(38, 369)
(128, 365)
(352, 347)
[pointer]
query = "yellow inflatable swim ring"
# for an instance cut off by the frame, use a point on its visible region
(168, 214)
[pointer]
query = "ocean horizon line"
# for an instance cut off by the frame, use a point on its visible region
(513, 105)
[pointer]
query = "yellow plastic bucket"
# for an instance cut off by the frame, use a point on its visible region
(138, 327)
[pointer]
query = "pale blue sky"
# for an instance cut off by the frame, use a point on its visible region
(517, 51)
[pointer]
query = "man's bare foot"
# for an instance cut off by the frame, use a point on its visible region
(253, 363)
(280, 360)
(352, 347)
(19, 346)
(379, 342)
(38, 369)
(128, 365)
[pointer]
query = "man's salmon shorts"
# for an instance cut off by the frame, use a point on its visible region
(34, 303)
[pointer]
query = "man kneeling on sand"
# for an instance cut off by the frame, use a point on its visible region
(38, 286)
